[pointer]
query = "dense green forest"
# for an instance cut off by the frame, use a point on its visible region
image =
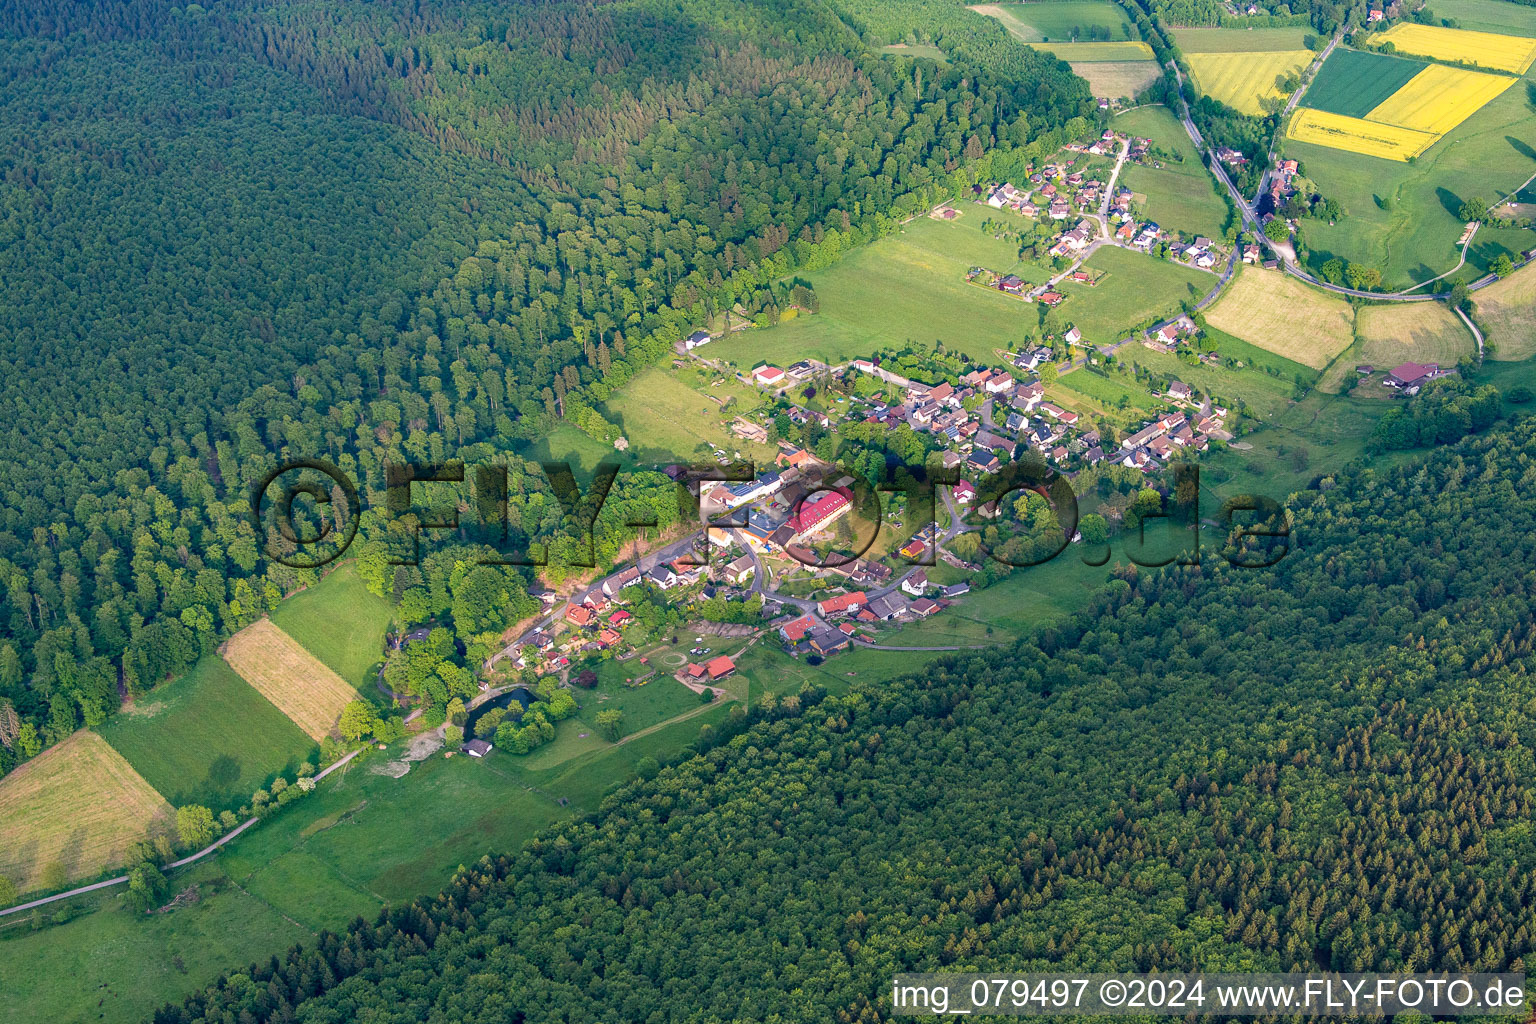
(1326, 763)
(237, 232)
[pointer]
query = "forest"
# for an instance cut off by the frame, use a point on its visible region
(397, 231)
(1321, 764)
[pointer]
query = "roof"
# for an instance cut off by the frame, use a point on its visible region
(721, 666)
(925, 606)
(818, 510)
(478, 747)
(1412, 371)
(796, 630)
(842, 602)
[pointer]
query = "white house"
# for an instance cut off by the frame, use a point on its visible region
(698, 338)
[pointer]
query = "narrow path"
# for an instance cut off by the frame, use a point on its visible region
(1477, 335)
(199, 855)
(1459, 263)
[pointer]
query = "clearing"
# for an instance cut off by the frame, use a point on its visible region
(1062, 20)
(1353, 83)
(1243, 81)
(1483, 49)
(78, 805)
(1278, 313)
(913, 50)
(1074, 53)
(1118, 79)
(207, 738)
(1400, 332)
(298, 683)
(1507, 311)
(665, 418)
(341, 623)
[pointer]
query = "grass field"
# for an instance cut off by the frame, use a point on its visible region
(1352, 82)
(1242, 80)
(913, 50)
(1423, 332)
(1005, 611)
(1439, 98)
(567, 444)
(1280, 314)
(1402, 218)
(1356, 135)
(207, 737)
(1497, 16)
(1117, 79)
(1057, 21)
(905, 287)
(1107, 391)
(1507, 312)
(1139, 288)
(1181, 196)
(295, 681)
(664, 417)
(1240, 40)
(341, 623)
(1250, 355)
(1090, 53)
(1265, 395)
(1484, 49)
(77, 805)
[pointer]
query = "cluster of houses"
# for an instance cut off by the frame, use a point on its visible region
(1055, 190)
(838, 621)
(1280, 184)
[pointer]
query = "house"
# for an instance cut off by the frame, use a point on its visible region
(989, 510)
(916, 584)
(608, 638)
(617, 582)
(955, 590)
(698, 338)
(579, 615)
(768, 376)
(887, 607)
(819, 512)
(983, 460)
(1412, 376)
(477, 748)
(913, 549)
(619, 617)
(1052, 298)
(1126, 231)
(1060, 209)
(797, 630)
(828, 641)
(924, 607)
(1011, 284)
(1250, 254)
(741, 570)
(1073, 335)
(1029, 397)
(662, 576)
(1179, 391)
(998, 382)
(719, 668)
(843, 604)
(965, 492)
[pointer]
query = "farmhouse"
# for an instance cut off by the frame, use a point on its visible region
(1412, 376)
(887, 607)
(579, 615)
(843, 604)
(613, 584)
(698, 338)
(741, 570)
(828, 641)
(916, 584)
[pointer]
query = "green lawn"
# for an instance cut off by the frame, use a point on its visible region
(1264, 395)
(908, 287)
(341, 623)
(913, 50)
(1510, 19)
(664, 418)
(1317, 435)
(1138, 288)
(1353, 82)
(1178, 196)
(207, 737)
(1012, 607)
(567, 444)
(1242, 40)
(1070, 21)
(1107, 391)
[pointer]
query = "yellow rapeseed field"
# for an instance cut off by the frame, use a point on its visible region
(1241, 80)
(1485, 49)
(1439, 98)
(1356, 135)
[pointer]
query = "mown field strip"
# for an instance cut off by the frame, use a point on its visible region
(295, 681)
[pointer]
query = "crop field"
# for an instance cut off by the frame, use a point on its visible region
(1281, 315)
(1497, 16)
(1484, 49)
(1356, 135)
(298, 683)
(1507, 312)
(1402, 218)
(1424, 332)
(1060, 20)
(1141, 288)
(1248, 355)
(77, 805)
(1240, 40)
(904, 287)
(1439, 98)
(207, 737)
(1117, 78)
(1086, 53)
(1242, 80)
(1353, 83)
(341, 623)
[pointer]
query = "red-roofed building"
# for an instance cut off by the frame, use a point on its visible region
(819, 512)
(1410, 376)
(608, 638)
(579, 615)
(843, 603)
(795, 631)
(965, 492)
(620, 617)
(768, 376)
(719, 668)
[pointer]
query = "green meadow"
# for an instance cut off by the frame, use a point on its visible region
(207, 737)
(341, 623)
(1179, 196)
(1137, 289)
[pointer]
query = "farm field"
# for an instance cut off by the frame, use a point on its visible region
(1280, 314)
(1357, 135)
(1075, 53)
(662, 415)
(1244, 80)
(1058, 21)
(1230, 346)
(295, 681)
(76, 808)
(1421, 332)
(341, 623)
(1402, 218)
(1240, 40)
(1116, 79)
(1439, 98)
(905, 287)
(207, 737)
(1352, 82)
(1506, 310)
(1139, 289)
(1497, 16)
(1485, 49)
(1181, 196)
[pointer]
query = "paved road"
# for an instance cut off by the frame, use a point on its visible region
(199, 855)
